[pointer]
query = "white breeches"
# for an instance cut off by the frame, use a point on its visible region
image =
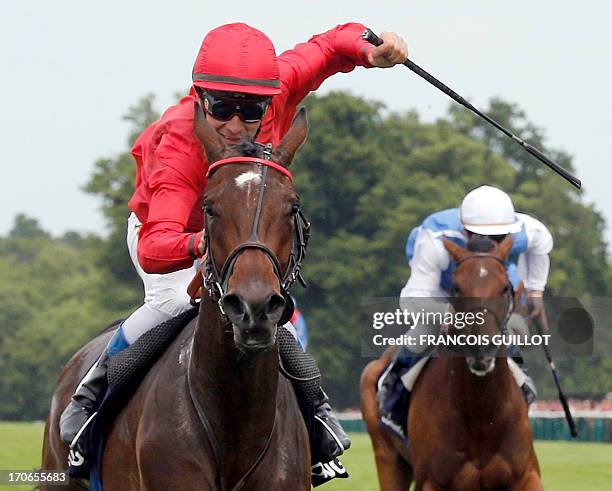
(165, 295)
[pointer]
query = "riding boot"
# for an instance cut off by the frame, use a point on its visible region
(393, 397)
(329, 437)
(85, 400)
(327, 442)
(528, 387)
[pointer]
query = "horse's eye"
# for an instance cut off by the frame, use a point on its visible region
(456, 291)
(506, 289)
(295, 208)
(208, 209)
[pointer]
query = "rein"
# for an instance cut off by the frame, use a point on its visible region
(214, 443)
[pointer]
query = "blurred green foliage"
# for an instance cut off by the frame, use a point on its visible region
(366, 176)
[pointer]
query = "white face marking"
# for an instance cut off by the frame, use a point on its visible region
(483, 272)
(248, 178)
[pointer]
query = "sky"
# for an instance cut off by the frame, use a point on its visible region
(72, 68)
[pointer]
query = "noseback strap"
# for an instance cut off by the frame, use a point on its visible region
(249, 160)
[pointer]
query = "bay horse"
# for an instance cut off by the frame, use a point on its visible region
(467, 423)
(213, 413)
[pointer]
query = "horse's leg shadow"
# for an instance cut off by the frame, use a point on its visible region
(394, 471)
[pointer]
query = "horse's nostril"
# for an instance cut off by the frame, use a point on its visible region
(275, 304)
(232, 305)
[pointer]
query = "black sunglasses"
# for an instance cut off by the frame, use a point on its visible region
(224, 109)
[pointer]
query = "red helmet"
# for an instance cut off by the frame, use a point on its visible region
(237, 58)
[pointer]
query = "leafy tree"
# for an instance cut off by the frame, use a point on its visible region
(27, 228)
(366, 177)
(51, 295)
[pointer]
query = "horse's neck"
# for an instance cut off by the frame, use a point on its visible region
(484, 395)
(236, 391)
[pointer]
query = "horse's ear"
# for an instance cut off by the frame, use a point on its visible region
(503, 249)
(457, 252)
(285, 151)
(208, 136)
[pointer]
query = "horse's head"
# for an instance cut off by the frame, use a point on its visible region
(254, 231)
(482, 292)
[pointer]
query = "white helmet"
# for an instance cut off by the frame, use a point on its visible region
(487, 210)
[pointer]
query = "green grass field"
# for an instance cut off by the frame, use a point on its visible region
(566, 466)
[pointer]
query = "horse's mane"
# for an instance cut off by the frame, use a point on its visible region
(480, 243)
(248, 148)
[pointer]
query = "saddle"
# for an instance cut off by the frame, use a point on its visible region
(394, 401)
(125, 373)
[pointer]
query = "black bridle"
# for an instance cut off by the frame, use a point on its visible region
(217, 281)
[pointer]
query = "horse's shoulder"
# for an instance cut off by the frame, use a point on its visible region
(286, 401)
(162, 395)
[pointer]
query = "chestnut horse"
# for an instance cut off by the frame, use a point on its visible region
(467, 424)
(213, 412)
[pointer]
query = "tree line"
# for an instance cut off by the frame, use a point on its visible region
(366, 176)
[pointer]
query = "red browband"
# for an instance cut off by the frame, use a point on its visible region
(249, 160)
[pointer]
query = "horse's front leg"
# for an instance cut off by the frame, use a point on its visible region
(531, 481)
(394, 472)
(427, 485)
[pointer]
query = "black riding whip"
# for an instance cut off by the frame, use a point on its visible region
(372, 38)
(566, 408)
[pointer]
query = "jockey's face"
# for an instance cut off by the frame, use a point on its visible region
(235, 130)
(236, 117)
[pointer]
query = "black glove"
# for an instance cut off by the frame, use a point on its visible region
(537, 311)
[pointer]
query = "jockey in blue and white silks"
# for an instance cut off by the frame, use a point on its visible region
(485, 211)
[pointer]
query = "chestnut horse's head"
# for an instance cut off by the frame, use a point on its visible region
(481, 287)
(254, 231)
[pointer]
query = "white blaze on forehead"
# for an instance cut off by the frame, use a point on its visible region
(483, 272)
(248, 178)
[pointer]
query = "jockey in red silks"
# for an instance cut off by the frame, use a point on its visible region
(245, 91)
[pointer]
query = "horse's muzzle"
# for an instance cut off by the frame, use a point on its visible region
(480, 365)
(254, 321)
